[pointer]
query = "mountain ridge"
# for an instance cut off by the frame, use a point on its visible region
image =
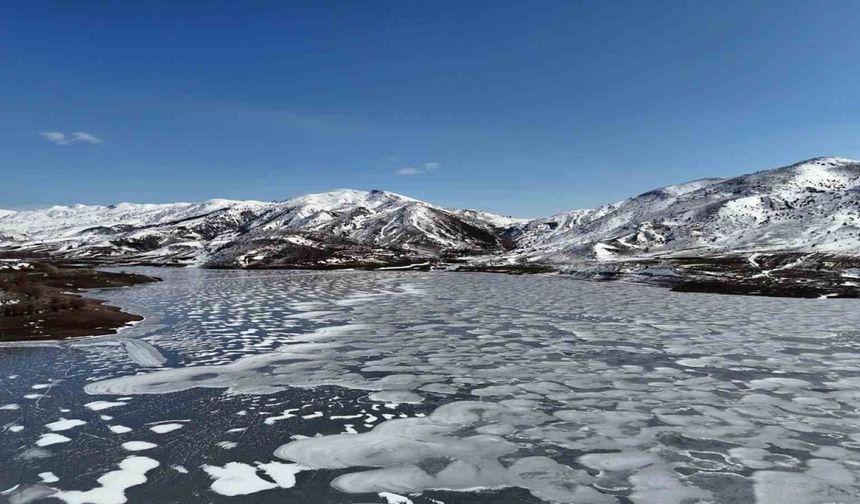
(812, 206)
(756, 211)
(339, 227)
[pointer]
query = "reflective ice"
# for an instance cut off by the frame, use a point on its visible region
(572, 391)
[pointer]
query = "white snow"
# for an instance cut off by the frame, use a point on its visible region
(393, 498)
(64, 424)
(138, 445)
(102, 405)
(237, 478)
(288, 413)
(813, 203)
(112, 486)
(51, 439)
(182, 231)
(284, 475)
(165, 428)
(48, 477)
(811, 206)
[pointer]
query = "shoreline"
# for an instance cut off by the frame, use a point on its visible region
(41, 301)
(63, 309)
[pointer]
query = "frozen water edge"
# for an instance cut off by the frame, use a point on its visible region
(573, 391)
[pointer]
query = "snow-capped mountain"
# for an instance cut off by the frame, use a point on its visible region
(812, 206)
(333, 228)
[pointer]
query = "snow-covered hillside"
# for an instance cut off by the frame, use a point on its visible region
(333, 228)
(812, 206)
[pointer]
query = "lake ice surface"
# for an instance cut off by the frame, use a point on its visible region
(349, 386)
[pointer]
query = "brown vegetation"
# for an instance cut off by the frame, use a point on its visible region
(41, 301)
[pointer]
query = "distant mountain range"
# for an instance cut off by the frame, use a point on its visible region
(334, 229)
(812, 207)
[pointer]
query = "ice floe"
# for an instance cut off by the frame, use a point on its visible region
(138, 445)
(102, 405)
(165, 428)
(48, 477)
(51, 439)
(112, 485)
(64, 424)
(237, 478)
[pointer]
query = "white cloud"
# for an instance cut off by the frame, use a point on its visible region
(419, 170)
(54, 136)
(409, 170)
(60, 138)
(80, 136)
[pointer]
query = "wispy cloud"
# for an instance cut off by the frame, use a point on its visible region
(60, 138)
(419, 170)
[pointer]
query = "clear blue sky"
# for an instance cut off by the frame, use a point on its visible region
(523, 108)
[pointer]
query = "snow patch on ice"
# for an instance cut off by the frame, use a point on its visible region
(165, 428)
(132, 472)
(51, 439)
(64, 424)
(102, 405)
(138, 445)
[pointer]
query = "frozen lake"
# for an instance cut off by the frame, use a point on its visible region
(390, 387)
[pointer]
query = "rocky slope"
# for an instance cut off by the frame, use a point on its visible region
(334, 229)
(812, 207)
(806, 214)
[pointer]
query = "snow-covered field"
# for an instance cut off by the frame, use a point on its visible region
(276, 386)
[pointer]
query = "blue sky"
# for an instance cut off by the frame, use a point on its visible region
(523, 108)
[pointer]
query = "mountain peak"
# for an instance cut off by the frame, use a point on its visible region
(828, 161)
(813, 205)
(340, 198)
